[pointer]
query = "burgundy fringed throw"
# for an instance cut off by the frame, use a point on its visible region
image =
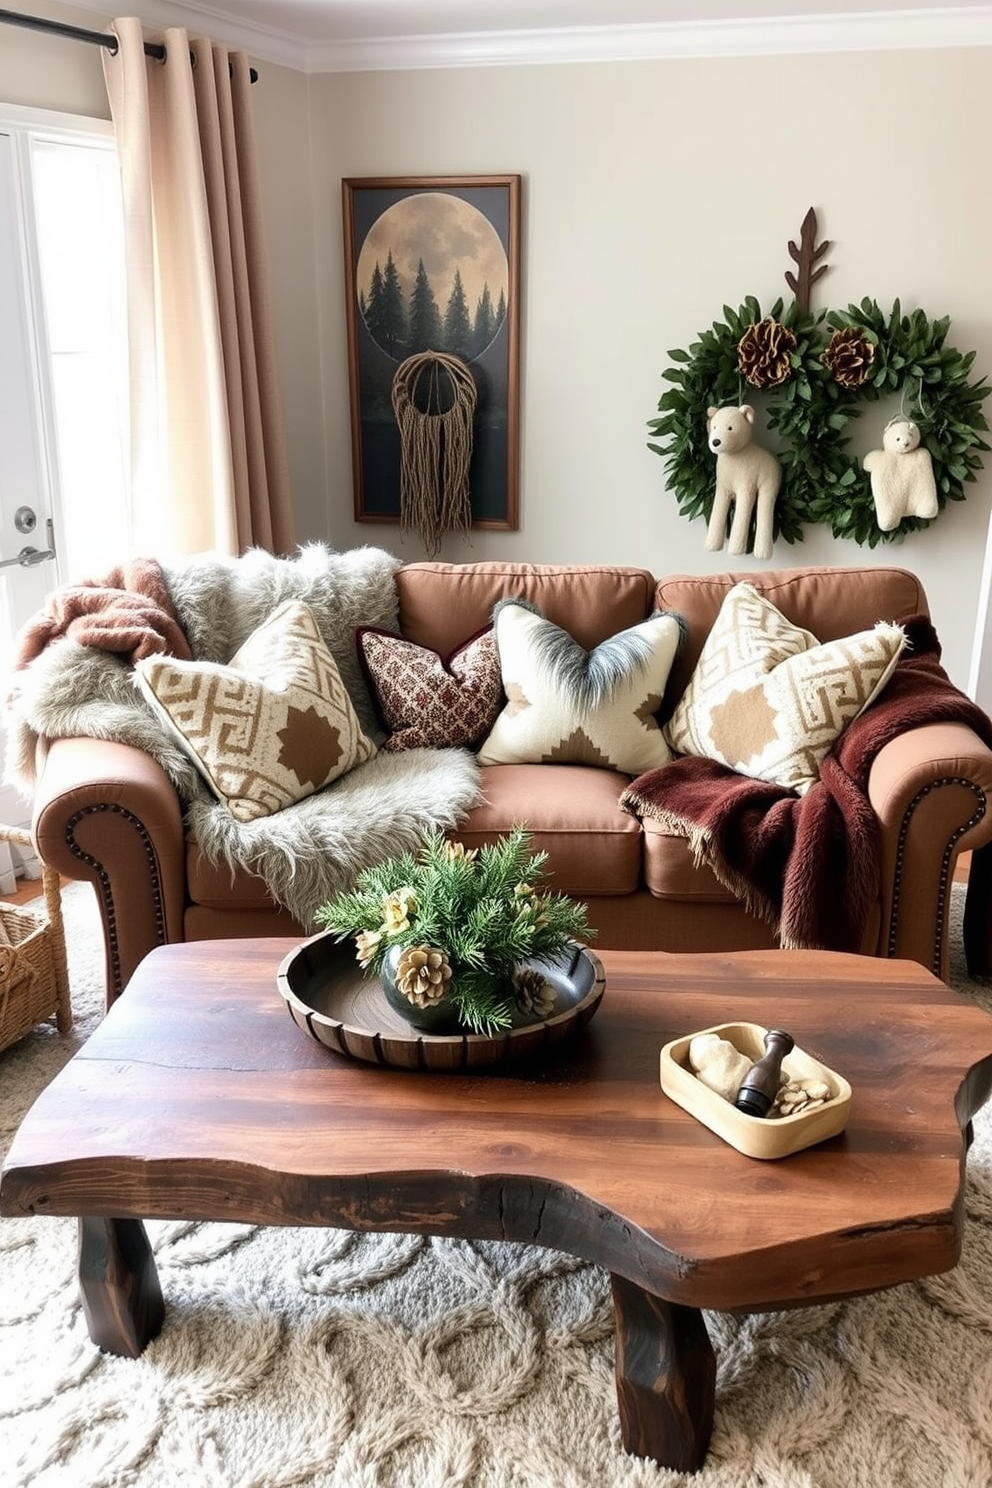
(808, 865)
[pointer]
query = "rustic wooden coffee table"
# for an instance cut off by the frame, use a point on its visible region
(198, 1098)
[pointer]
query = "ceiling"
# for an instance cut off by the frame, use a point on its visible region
(338, 35)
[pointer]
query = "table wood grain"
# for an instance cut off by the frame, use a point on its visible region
(199, 1098)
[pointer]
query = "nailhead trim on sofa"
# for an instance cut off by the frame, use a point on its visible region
(945, 865)
(109, 913)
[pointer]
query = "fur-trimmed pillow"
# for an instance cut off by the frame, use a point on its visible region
(270, 728)
(768, 699)
(566, 705)
(429, 701)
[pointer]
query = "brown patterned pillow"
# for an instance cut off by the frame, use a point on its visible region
(273, 726)
(428, 701)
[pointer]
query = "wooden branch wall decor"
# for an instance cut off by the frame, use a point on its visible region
(805, 256)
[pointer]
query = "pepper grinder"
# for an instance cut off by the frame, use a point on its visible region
(760, 1085)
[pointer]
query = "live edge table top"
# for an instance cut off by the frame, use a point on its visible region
(198, 1097)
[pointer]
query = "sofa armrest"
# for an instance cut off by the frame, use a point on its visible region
(932, 792)
(107, 813)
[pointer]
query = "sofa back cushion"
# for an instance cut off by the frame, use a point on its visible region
(442, 604)
(830, 602)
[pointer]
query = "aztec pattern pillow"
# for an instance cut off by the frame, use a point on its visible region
(566, 705)
(767, 699)
(273, 726)
(429, 701)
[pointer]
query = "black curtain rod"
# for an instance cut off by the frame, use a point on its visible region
(77, 33)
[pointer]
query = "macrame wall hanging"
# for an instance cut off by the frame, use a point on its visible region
(434, 397)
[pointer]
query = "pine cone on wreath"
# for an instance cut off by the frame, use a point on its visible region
(764, 353)
(849, 356)
(422, 975)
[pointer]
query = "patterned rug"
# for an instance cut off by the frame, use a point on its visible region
(330, 1360)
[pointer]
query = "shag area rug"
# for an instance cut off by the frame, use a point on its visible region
(329, 1360)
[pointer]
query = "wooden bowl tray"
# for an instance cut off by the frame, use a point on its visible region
(330, 998)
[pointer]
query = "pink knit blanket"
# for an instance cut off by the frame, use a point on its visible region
(128, 612)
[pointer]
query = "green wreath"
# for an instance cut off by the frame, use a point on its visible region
(812, 385)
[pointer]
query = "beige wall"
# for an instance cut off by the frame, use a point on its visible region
(43, 71)
(655, 193)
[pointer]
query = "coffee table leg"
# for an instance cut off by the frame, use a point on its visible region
(122, 1299)
(666, 1377)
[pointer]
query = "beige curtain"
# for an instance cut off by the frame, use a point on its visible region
(209, 466)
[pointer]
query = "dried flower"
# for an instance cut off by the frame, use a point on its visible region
(422, 975)
(849, 355)
(397, 908)
(457, 852)
(366, 944)
(764, 353)
(535, 994)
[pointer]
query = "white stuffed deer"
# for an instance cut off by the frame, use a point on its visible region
(746, 475)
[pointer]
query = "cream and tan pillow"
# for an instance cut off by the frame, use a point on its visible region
(273, 726)
(566, 705)
(768, 699)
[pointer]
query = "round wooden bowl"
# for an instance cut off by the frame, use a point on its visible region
(330, 998)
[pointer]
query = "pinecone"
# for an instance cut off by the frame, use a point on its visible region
(764, 353)
(422, 975)
(535, 994)
(849, 356)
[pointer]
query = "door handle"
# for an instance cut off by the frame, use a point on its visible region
(28, 557)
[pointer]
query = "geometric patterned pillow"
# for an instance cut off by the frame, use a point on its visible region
(566, 705)
(271, 727)
(768, 700)
(429, 701)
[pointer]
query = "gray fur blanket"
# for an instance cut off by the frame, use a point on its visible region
(308, 851)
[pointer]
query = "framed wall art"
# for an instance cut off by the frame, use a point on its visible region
(432, 292)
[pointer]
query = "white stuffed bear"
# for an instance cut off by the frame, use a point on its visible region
(902, 482)
(746, 475)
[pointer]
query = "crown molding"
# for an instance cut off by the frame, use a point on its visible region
(862, 31)
(961, 26)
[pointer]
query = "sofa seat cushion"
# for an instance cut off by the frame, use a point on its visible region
(571, 811)
(671, 873)
(442, 603)
(214, 886)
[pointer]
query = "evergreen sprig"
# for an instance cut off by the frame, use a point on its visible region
(487, 913)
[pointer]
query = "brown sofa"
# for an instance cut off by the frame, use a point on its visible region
(105, 812)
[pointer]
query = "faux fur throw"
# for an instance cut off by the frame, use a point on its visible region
(807, 865)
(314, 848)
(128, 612)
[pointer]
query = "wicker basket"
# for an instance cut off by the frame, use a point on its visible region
(34, 979)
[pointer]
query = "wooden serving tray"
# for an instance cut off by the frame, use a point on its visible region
(755, 1136)
(331, 999)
